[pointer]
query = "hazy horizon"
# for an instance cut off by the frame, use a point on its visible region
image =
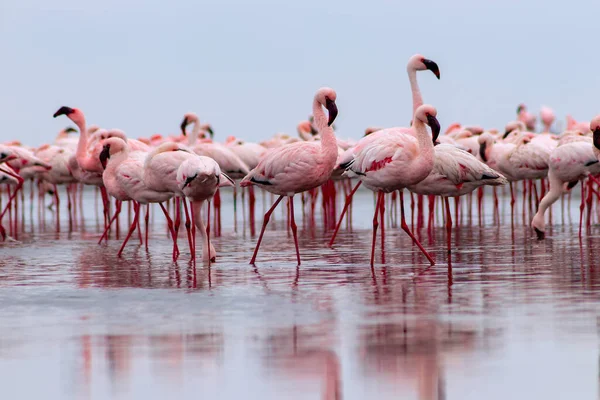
(251, 69)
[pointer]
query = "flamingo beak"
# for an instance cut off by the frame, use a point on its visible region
(332, 108)
(520, 108)
(506, 133)
(183, 125)
(64, 111)
(597, 137)
(105, 155)
(482, 147)
(70, 129)
(434, 124)
(210, 131)
(432, 66)
(188, 181)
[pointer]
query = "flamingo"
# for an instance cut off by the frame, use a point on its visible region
(569, 163)
(123, 178)
(198, 178)
(415, 63)
(228, 161)
(393, 159)
(455, 173)
(547, 116)
(298, 167)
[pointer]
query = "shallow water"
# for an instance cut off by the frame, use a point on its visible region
(509, 318)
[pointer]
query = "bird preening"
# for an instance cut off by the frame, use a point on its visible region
(184, 174)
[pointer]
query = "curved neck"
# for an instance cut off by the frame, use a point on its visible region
(423, 138)
(193, 137)
(328, 141)
(83, 137)
(416, 92)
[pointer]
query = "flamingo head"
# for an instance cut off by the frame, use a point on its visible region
(74, 114)
(475, 130)
(326, 97)
(485, 140)
(188, 118)
(427, 114)
(206, 128)
(512, 126)
(595, 128)
(111, 147)
(521, 108)
(420, 63)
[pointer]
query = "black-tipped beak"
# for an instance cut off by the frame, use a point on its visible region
(540, 235)
(434, 124)
(104, 155)
(597, 138)
(506, 132)
(189, 180)
(183, 125)
(70, 129)
(482, 147)
(333, 111)
(432, 66)
(520, 108)
(313, 131)
(63, 111)
(210, 131)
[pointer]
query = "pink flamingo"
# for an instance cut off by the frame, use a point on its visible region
(393, 159)
(415, 63)
(455, 173)
(198, 178)
(547, 116)
(526, 117)
(298, 167)
(569, 163)
(123, 178)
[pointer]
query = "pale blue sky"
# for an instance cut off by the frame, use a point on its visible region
(251, 67)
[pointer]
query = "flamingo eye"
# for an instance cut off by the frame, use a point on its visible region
(3, 155)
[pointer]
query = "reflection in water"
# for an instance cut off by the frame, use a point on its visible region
(509, 317)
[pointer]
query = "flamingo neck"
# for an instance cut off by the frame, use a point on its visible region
(424, 140)
(416, 92)
(328, 141)
(193, 137)
(82, 143)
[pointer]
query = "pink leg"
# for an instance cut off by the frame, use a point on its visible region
(448, 225)
(57, 199)
(115, 216)
(70, 208)
(375, 225)
(344, 210)
(210, 259)
(136, 207)
(251, 205)
(294, 227)
(147, 222)
(382, 219)
(172, 231)
(188, 228)
(405, 229)
(262, 231)
(193, 233)
(581, 206)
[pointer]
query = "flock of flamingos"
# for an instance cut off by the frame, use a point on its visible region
(190, 168)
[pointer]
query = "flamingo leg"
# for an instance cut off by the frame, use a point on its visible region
(405, 229)
(115, 216)
(448, 225)
(193, 233)
(208, 232)
(188, 228)
(344, 210)
(171, 230)
(375, 225)
(294, 227)
(262, 230)
(136, 207)
(382, 219)
(57, 200)
(581, 206)
(147, 223)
